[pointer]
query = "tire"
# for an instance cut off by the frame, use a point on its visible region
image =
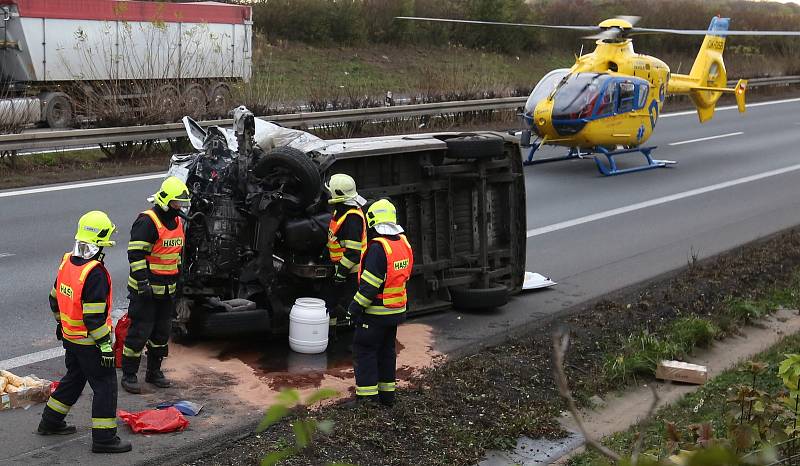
(220, 324)
(59, 112)
(167, 101)
(474, 299)
(293, 170)
(474, 147)
(219, 100)
(194, 100)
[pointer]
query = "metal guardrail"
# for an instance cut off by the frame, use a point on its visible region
(88, 137)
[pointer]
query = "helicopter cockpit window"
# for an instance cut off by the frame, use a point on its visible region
(644, 89)
(606, 106)
(577, 97)
(627, 95)
(543, 88)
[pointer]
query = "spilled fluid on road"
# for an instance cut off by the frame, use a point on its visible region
(255, 370)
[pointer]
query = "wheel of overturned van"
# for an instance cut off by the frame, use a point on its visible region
(194, 101)
(291, 172)
(59, 111)
(478, 299)
(475, 147)
(219, 100)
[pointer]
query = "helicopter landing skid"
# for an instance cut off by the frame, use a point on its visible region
(572, 154)
(611, 169)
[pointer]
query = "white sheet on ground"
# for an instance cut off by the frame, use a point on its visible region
(535, 281)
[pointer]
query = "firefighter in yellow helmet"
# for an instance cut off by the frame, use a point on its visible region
(379, 306)
(154, 254)
(81, 303)
(347, 241)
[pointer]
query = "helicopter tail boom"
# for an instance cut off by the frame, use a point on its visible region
(707, 80)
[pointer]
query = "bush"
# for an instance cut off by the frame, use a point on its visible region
(330, 22)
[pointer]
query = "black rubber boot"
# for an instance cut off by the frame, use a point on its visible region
(386, 398)
(115, 445)
(154, 374)
(131, 384)
(46, 428)
(359, 401)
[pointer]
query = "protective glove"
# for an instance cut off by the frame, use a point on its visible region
(355, 315)
(106, 353)
(144, 289)
(59, 334)
(340, 276)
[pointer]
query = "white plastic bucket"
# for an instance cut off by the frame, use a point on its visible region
(308, 326)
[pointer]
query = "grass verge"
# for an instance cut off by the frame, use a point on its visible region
(641, 351)
(66, 166)
(706, 405)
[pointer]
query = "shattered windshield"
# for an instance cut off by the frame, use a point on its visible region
(577, 97)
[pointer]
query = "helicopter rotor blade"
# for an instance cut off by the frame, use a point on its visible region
(703, 32)
(608, 34)
(631, 19)
(496, 23)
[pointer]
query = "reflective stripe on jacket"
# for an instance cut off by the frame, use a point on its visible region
(165, 258)
(336, 247)
(399, 263)
(69, 294)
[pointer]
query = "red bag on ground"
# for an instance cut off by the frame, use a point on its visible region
(120, 333)
(154, 421)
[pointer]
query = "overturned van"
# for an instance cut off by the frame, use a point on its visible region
(259, 217)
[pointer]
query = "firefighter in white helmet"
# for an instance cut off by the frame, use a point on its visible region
(347, 241)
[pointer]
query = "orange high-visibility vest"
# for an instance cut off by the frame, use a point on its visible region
(399, 263)
(69, 294)
(335, 247)
(165, 257)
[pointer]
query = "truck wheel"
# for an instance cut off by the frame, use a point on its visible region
(58, 110)
(219, 100)
(473, 299)
(290, 170)
(474, 147)
(168, 99)
(194, 100)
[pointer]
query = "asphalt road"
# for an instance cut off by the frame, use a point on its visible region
(590, 233)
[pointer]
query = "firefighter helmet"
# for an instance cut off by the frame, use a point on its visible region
(172, 189)
(381, 211)
(95, 228)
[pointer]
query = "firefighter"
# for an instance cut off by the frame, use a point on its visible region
(154, 253)
(81, 304)
(347, 241)
(379, 306)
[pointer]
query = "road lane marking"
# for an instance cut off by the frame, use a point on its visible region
(706, 138)
(731, 107)
(89, 184)
(32, 358)
(661, 200)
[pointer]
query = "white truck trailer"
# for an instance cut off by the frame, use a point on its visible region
(53, 51)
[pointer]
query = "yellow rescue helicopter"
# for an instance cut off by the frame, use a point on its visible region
(608, 103)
